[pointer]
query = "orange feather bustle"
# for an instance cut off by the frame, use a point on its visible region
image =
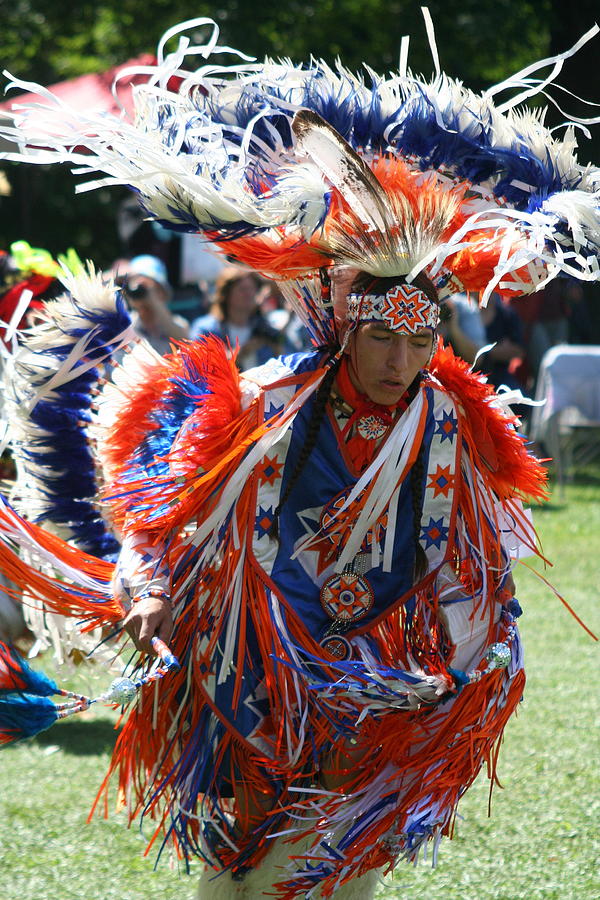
(214, 427)
(475, 265)
(285, 256)
(193, 360)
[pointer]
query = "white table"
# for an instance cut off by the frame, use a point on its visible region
(569, 382)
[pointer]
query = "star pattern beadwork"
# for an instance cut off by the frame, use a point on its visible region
(441, 481)
(269, 470)
(274, 409)
(346, 597)
(263, 521)
(371, 427)
(446, 427)
(405, 308)
(434, 533)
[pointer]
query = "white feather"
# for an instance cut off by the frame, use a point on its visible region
(342, 166)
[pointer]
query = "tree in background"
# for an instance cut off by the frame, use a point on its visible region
(479, 42)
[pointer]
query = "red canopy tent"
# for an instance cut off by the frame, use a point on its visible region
(93, 91)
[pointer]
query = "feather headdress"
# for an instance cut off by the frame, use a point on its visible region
(292, 169)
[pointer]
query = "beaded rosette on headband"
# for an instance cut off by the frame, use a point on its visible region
(295, 169)
(404, 308)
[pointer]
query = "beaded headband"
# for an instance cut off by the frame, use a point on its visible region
(404, 308)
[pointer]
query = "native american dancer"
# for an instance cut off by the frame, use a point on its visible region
(326, 542)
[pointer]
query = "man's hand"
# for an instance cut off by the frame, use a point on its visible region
(148, 617)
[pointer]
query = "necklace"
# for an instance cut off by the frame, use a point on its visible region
(371, 420)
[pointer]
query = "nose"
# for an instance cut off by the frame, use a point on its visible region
(397, 358)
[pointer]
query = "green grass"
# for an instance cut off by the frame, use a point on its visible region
(542, 840)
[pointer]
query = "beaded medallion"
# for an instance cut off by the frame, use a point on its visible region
(371, 427)
(346, 597)
(337, 646)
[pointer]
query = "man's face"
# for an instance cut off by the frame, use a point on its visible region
(384, 363)
(144, 294)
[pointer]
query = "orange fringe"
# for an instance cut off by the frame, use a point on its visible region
(94, 607)
(489, 432)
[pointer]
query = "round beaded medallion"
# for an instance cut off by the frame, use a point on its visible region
(337, 646)
(346, 597)
(371, 427)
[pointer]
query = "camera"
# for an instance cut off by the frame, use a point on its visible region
(137, 293)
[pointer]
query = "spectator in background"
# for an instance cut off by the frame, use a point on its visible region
(503, 328)
(139, 236)
(461, 326)
(147, 290)
(545, 318)
(283, 319)
(236, 317)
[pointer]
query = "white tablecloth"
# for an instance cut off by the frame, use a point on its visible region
(569, 382)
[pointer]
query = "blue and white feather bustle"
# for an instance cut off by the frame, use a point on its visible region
(48, 391)
(48, 387)
(218, 156)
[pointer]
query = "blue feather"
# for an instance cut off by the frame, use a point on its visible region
(23, 716)
(58, 449)
(17, 675)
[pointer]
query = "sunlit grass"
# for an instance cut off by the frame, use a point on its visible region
(541, 841)
(543, 838)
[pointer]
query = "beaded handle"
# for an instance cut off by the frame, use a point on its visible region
(124, 689)
(498, 655)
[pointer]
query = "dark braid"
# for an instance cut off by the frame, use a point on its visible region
(312, 432)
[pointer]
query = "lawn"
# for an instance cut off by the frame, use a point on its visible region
(542, 840)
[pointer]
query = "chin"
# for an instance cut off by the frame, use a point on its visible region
(387, 397)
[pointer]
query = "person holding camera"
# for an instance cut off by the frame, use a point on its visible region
(147, 290)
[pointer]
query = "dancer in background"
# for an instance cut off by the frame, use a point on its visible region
(327, 540)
